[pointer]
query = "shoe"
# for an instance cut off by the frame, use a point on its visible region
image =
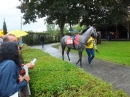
(90, 65)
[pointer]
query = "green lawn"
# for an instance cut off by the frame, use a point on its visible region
(113, 51)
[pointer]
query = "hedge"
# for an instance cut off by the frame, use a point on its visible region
(53, 77)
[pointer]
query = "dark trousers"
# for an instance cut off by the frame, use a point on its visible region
(90, 53)
(42, 43)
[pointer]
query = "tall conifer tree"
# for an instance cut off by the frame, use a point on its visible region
(4, 27)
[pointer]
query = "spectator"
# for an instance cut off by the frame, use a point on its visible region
(106, 36)
(1, 40)
(42, 40)
(10, 38)
(10, 67)
(98, 37)
(13, 38)
(110, 36)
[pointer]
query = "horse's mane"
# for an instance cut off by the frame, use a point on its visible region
(85, 30)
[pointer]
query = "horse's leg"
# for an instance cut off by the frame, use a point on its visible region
(68, 53)
(80, 58)
(63, 48)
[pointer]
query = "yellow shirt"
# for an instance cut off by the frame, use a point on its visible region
(91, 43)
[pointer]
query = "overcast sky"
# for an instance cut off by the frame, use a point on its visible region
(12, 16)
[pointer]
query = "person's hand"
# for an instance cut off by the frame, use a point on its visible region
(21, 46)
(20, 78)
(96, 50)
(27, 78)
(30, 65)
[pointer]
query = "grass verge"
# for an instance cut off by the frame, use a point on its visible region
(53, 77)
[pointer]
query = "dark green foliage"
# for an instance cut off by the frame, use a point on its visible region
(4, 27)
(33, 38)
(53, 77)
(87, 12)
(100, 13)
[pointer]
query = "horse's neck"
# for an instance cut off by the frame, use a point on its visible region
(86, 35)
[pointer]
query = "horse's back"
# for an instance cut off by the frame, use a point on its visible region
(63, 39)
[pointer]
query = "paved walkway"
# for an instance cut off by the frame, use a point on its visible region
(117, 75)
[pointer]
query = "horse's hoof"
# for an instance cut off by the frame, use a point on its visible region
(82, 68)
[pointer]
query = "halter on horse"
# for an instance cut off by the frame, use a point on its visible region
(78, 43)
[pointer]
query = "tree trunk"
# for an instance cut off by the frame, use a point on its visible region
(61, 25)
(128, 30)
(61, 31)
(116, 27)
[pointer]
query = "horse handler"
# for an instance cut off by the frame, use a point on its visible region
(90, 46)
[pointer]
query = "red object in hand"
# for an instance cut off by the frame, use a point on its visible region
(22, 72)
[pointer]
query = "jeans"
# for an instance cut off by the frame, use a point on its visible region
(90, 53)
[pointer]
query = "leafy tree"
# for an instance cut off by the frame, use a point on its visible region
(79, 28)
(66, 28)
(50, 28)
(58, 12)
(4, 27)
(85, 12)
(105, 12)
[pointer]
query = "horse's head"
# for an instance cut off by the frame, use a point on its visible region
(93, 31)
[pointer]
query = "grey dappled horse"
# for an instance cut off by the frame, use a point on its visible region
(83, 38)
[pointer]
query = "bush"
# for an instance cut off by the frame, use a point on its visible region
(33, 38)
(53, 77)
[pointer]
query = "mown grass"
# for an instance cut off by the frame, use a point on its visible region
(53, 77)
(113, 51)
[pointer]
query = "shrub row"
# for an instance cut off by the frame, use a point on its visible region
(53, 77)
(33, 38)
